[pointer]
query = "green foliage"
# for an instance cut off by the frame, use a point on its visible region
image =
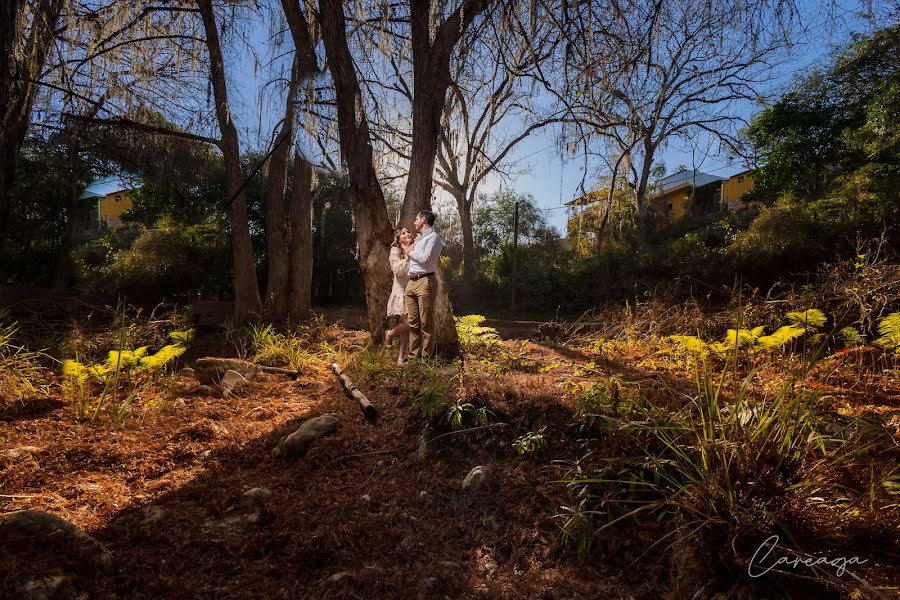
(753, 340)
(20, 369)
(530, 442)
(171, 259)
(473, 337)
(125, 372)
(851, 337)
(457, 412)
(741, 464)
(295, 349)
(889, 332)
(429, 399)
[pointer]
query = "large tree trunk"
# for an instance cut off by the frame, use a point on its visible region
(246, 288)
(374, 233)
(300, 204)
(21, 61)
(431, 79)
(277, 233)
(641, 196)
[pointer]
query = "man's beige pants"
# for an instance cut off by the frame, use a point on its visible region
(420, 296)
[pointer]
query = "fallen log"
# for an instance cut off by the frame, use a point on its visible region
(368, 409)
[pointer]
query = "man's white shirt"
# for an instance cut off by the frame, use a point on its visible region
(425, 256)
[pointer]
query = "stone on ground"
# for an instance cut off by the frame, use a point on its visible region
(298, 442)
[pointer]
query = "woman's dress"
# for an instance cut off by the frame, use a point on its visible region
(400, 267)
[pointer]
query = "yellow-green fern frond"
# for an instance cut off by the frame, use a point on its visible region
(851, 337)
(74, 370)
(125, 359)
(165, 355)
(741, 338)
(692, 344)
(184, 338)
(781, 337)
(809, 319)
(889, 331)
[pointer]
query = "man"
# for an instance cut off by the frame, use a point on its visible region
(421, 291)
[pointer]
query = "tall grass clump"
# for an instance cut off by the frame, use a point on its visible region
(20, 368)
(731, 468)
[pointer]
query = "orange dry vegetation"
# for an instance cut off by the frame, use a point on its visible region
(360, 516)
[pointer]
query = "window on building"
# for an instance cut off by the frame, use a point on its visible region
(741, 179)
(118, 197)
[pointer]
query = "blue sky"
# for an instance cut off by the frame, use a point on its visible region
(552, 177)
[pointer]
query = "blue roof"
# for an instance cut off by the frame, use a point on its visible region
(103, 187)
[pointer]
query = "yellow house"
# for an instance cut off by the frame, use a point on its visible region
(734, 188)
(686, 193)
(110, 198)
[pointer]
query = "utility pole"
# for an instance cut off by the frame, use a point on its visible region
(515, 256)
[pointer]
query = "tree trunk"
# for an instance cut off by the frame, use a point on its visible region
(641, 197)
(374, 233)
(246, 289)
(465, 219)
(20, 69)
(277, 233)
(300, 204)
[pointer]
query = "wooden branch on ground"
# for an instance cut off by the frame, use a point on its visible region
(368, 409)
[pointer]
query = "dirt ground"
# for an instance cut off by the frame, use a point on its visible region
(364, 514)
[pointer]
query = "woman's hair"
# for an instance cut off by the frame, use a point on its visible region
(397, 233)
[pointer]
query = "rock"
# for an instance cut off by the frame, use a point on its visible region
(297, 443)
(43, 588)
(406, 545)
(186, 371)
(422, 452)
(424, 498)
(204, 390)
(257, 493)
(14, 454)
(231, 382)
(34, 532)
(338, 577)
(475, 479)
(152, 515)
(211, 370)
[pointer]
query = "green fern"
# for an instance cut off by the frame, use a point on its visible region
(851, 337)
(473, 336)
(125, 360)
(183, 338)
(809, 319)
(889, 332)
(783, 336)
(692, 343)
(165, 355)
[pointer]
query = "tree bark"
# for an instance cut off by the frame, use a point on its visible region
(246, 288)
(20, 69)
(277, 231)
(300, 204)
(374, 233)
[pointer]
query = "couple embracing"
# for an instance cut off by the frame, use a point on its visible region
(414, 262)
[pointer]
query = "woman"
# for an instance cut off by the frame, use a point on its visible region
(396, 306)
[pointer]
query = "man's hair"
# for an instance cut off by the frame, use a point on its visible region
(429, 216)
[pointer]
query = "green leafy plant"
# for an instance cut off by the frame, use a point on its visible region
(428, 400)
(473, 336)
(889, 332)
(530, 442)
(457, 412)
(125, 372)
